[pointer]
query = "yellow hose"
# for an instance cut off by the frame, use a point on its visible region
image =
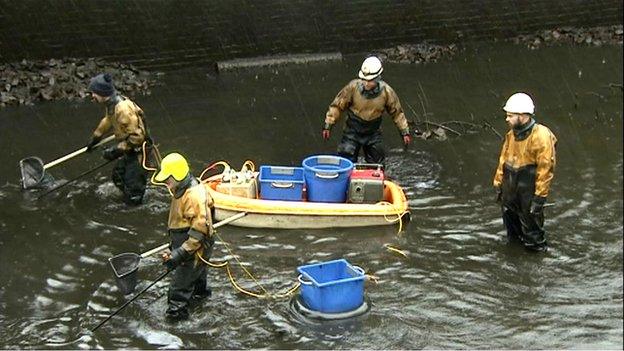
(264, 294)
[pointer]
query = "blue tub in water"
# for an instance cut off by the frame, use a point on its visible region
(332, 286)
(327, 178)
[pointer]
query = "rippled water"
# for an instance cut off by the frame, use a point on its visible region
(460, 285)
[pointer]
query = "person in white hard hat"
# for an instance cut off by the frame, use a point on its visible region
(524, 174)
(365, 99)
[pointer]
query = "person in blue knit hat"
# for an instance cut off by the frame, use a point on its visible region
(127, 122)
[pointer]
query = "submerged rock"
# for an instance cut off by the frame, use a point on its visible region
(25, 82)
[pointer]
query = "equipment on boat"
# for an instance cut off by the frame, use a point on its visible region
(281, 183)
(280, 214)
(327, 178)
(366, 183)
(238, 183)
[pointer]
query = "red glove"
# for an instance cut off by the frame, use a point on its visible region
(326, 134)
(407, 139)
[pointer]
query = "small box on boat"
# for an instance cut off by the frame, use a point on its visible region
(242, 187)
(332, 287)
(366, 184)
(281, 183)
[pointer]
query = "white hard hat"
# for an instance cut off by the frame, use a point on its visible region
(371, 68)
(519, 103)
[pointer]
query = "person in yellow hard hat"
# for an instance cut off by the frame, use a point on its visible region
(525, 171)
(364, 101)
(190, 229)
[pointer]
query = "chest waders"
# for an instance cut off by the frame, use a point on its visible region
(129, 176)
(518, 187)
(360, 134)
(190, 277)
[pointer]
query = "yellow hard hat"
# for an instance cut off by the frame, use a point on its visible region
(173, 165)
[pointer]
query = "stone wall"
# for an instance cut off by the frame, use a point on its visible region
(167, 34)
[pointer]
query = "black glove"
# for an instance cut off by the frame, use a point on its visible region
(94, 141)
(499, 195)
(537, 205)
(178, 256)
(112, 153)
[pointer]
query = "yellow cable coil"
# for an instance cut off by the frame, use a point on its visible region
(226, 264)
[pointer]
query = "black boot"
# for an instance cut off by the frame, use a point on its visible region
(176, 315)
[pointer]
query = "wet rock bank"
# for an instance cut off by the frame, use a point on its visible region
(418, 53)
(26, 82)
(597, 36)
(426, 52)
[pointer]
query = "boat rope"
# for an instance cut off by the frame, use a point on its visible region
(264, 294)
(392, 220)
(399, 251)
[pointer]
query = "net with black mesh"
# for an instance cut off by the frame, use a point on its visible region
(33, 173)
(125, 267)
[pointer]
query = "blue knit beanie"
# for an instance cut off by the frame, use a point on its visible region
(102, 84)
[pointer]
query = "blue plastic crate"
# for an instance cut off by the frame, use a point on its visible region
(332, 287)
(281, 183)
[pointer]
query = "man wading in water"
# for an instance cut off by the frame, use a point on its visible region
(190, 230)
(525, 171)
(128, 124)
(365, 100)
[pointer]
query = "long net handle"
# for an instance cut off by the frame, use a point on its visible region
(74, 179)
(76, 153)
(217, 225)
(130, 301)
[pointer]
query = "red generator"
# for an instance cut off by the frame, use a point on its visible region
(366, 183)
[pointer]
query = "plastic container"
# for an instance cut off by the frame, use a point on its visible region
(281, 183)
(327, 178)
(332, 287)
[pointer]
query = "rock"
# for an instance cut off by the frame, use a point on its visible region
(26, 82)
(596, 36)
(417, 53)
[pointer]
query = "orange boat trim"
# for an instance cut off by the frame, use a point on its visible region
(396, 206)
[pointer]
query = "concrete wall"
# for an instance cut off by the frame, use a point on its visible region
(172, 33)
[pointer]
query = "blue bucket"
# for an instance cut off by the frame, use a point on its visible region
(327, 178)
(332, 287)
